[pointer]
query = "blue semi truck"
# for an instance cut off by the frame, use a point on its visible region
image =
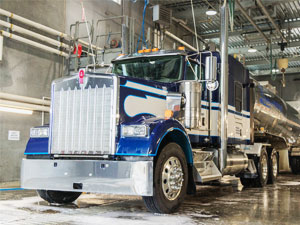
(152, 128)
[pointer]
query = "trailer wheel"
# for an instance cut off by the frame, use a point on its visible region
(61, 197)
(170, 180)
(295, 164)
(273, 167)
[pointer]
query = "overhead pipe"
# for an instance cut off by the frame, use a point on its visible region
(252, 22)
(44, 28)
(180, 40)
(33, 43)
(33, 107)
(33, 34)
(26, 99)
(271, 19)
(187, 28)
(224, 86)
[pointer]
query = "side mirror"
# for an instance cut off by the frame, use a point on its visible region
(211, 68)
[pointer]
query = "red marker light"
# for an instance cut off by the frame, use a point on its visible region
(81, 75)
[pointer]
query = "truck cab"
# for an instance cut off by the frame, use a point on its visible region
(150, 128)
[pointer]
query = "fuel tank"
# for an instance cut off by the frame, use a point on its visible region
(272, 115)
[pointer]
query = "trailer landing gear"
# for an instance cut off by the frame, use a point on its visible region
(60, 197)
(170, 180)
(295, 164)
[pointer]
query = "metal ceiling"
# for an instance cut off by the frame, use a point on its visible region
(285, 13)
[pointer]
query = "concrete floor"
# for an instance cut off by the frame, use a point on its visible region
(218, 204)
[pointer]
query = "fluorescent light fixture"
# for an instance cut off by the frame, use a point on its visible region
(211, 12)
(16, 110)
(252, 50)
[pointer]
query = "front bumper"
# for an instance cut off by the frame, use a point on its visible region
(99, 176)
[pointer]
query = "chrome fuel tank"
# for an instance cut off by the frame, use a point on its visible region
(192, 111)
(274, 116)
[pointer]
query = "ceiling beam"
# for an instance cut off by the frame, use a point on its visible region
(252, 22)
(270, 18)
(244, 49)
(249, 29)
(289, 71)
(264, 62)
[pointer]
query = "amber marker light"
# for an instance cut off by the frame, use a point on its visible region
(168, 114)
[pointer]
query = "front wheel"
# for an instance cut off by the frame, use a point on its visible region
(60, 197)
(170, 180)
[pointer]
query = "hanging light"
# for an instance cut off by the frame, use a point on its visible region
(252, 50)
(210, 11)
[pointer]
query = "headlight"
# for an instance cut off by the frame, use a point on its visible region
(39, 132)
(135, 131)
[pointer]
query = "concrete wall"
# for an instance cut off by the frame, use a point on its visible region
(29, 71)
(26, 71)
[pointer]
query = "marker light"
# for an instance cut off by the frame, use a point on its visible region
(39, 132)
(141, 51)
(147, 50)
(16, 110)
(134, 131)
(211, 12)
(168, 114)
(181, 48)
(154, 49)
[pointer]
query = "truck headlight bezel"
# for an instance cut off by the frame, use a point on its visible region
(140, 130)
(39, 132)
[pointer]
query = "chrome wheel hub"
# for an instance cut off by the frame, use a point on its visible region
(264, 165)
(274, 166)
(172, 178)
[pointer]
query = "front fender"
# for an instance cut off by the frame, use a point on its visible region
(159, 129)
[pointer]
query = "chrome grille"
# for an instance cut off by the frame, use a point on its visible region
(83, 118)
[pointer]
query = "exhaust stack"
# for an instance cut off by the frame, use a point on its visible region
(224, 86)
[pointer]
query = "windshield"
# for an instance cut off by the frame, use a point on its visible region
(161, 68)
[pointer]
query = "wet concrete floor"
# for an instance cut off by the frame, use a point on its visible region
(216, 204)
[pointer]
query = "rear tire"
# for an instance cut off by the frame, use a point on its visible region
(170, 180)
(262, 169)
(273, 167)
(60, 197)
(295, 164)
(262, 165)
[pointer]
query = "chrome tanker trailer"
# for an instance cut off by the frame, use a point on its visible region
(276, 123)
(156, 127)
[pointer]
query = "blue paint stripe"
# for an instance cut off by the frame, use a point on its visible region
(37, 153)
(11, 189)
(162, 96)
(135, 154)
(229, 110)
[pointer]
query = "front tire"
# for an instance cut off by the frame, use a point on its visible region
(60, 197)
(170, 180)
